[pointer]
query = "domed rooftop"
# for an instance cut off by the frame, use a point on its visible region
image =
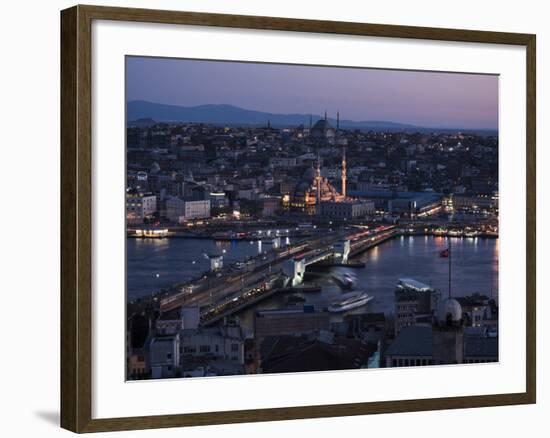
(301, 188)
(322, 129)
(309, 174)
(449, 310)
(321, 125)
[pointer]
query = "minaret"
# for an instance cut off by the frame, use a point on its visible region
(310, 121)
(337, 120)
(344, 171)
(318, 182)
(325, 115)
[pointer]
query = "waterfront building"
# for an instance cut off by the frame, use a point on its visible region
(347, 209)
(179, 210)
(414, 303)
(139, 206)
(378, 189)
(478, 203)
(218, 200)
(415, 204)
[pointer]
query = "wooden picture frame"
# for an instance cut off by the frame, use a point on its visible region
(76, 217)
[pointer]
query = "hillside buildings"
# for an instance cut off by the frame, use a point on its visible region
(319, 171)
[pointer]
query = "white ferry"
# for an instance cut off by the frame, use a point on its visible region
(349, 301)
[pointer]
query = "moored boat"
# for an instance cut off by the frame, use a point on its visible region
(350, 300)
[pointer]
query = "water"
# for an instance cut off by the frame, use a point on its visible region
(474, 267)
(153, 264)
(157, 263)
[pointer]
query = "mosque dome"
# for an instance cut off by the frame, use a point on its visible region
(322, 128)
(309, 174)
(321, 125)
(302, 188)
(449, 311)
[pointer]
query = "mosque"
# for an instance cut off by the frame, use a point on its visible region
(314, 194)
(310, 191)
(323, 132)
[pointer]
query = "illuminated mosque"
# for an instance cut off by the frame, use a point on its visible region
(314, 189)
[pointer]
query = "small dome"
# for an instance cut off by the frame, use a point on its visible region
(301, 189)
(309, 174)
(449, 310)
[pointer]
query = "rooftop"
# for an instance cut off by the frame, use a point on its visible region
(481, 347)
(297, 354)
(412, 341)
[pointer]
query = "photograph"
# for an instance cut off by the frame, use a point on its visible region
(289, 218)
(274, 220)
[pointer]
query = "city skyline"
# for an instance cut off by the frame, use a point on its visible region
(425, 99)
(261, 243)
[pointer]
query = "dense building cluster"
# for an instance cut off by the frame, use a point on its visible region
(187, 171)
(426, 329)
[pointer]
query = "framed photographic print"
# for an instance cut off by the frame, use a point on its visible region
(268, 218)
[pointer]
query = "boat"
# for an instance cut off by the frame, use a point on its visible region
(444, 253)
(349, 301)
(413, 285)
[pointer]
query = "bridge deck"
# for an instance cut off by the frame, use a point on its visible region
(215, 292)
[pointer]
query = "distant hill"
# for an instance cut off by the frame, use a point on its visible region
(140, 111)
(141, 123)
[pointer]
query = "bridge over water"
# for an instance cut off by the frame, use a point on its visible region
(282, 269)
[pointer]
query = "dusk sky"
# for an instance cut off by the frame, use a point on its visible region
(439, 100)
